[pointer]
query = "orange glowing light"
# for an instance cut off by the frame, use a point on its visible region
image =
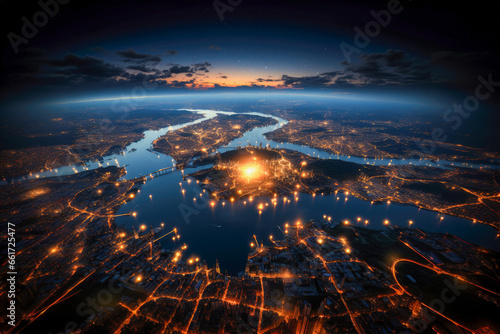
(249, 171)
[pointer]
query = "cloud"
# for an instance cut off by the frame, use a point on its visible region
(465, 67)
(187, 70)
(73, 65)
(181, 84)
(316, 81)
(172, 53)
(267, 80)
(393, 67)
(202, 67)
(141, 68)
(176, 69)
(130, 55)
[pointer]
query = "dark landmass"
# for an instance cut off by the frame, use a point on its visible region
(398, 137)
(427, 286)
(76, 137)
(204, 138)
(80, 268)
(462, 192)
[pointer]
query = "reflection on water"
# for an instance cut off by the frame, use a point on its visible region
(140, 160)
(230, 242)
(224, 232)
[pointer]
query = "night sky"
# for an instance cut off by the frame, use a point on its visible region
(102, 49)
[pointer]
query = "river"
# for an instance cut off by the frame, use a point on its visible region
(224, 232)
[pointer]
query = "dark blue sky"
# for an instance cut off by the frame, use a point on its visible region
(110, 47)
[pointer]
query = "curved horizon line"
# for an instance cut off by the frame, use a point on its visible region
(347, 96)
